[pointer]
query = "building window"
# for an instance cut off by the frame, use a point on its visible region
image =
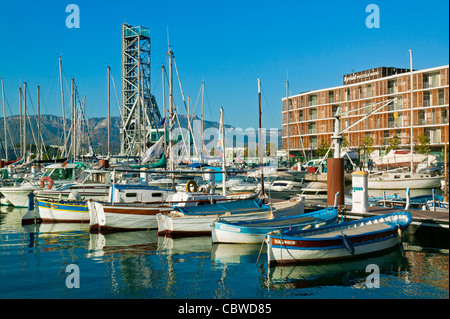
(330, 97)
(427, 99)
(334, 109)
(441, 97)
(313, 114)
(422, 117)
(391, 120)
(434, 134)
(368, 90)
(431, 80)
(396, 104)
(312, 100)
(313, 141)
(444, 115)
(312, 128)
(392, 86)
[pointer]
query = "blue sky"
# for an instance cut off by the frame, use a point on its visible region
(228, 44)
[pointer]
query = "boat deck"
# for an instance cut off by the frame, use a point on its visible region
(420, 217)
(352, 231)
(282, 222)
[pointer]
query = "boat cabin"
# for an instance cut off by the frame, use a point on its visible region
(68, 172)
(126, 193)
(93, 176)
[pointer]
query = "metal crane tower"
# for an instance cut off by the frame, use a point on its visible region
(140, 113)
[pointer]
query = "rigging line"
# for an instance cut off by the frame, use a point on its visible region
(117, 97)
(196, 102)
(209, 105)
(270, 113)
(8, 129)
(29, 118)
(184, 101)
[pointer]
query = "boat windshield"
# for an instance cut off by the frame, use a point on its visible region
(60, 173)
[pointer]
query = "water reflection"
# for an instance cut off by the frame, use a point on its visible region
(122, 243)
(139, 264)
(237, 253)
(344, 273)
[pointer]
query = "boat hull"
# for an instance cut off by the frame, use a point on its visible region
(412, 183)
(253, 233)
(176, 224)
(104, 217)
(18, 196)
(60, 211)
(292, 255)
(342, 241)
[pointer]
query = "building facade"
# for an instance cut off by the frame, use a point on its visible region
(309, 122)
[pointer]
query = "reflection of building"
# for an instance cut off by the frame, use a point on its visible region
(311, 113)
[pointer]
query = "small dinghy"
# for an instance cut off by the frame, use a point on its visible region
(344, 240)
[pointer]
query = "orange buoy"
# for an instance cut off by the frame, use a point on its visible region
(50, 182)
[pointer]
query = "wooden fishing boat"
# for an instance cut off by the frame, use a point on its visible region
(254, 231)
(141, 215)
(344, 240)
(56, 175)
(91, 184)
(51, 210)
(197, 220)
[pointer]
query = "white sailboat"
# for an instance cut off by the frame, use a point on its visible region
(399, 158)
(401, 180)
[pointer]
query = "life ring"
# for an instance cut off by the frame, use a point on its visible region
(50, 182)
(193, 185)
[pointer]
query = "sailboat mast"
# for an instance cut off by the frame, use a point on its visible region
(171, 166)
(261, 151)
(62, 102)
(203, 109)
(4, 120)
(72, 124)
(164, 105)
(20, 130)
(411, 105)
(224, 166)
(38, 149)
(109, 115)
(24, 117)
(287, 107)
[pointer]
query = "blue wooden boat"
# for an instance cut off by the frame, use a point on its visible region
(254, 231)
(415, 202)
(344, 240)
(196, 220)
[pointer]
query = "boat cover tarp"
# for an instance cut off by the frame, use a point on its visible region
(239, 206)
(160, 164)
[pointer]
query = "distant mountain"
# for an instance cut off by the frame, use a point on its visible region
(52, 132)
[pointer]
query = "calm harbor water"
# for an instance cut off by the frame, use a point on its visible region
(38, 261)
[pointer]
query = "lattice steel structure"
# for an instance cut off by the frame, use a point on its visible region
(140, 113)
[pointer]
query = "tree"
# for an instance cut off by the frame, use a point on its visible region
(423, 145)
(345, 142)
(323, 147)
(394, 142)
